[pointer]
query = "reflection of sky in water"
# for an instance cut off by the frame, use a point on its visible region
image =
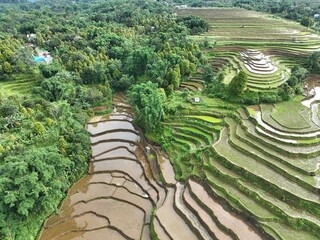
(315, 117)
(110, 126)
(316, 97)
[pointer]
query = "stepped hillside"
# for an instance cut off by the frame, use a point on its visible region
(235, 35)
(151, 126)
(258, 161)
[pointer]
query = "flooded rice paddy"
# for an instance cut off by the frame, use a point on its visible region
(116, 199)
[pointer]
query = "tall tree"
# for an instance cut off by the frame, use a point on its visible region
(238, 84)
(313, 63)
(148, 104)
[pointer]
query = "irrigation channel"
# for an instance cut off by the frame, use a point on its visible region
(123, 196)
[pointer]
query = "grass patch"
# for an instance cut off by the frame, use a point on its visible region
(153, 234)
(19, 84)
(288, 233)
(206, 119)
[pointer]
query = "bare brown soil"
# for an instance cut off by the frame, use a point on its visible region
(100, 108)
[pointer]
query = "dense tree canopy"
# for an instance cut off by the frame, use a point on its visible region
(148, 104)
(313, 63)
(238, 84)
(195, 24)
(97, 47)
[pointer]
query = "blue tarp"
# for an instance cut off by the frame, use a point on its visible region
(38, 59)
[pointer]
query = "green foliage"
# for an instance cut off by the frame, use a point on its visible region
(14, 58)
(238, 84)
(6, 67)
(8, 109)
(39, 161)
(24, 58)
(175, 77)
(208, 75)
(313, 62)
(298, 74)
(59, 87)
(185, 67)
(138, 60)
(148, 105)
(195, 24)
(306, 21)
(49, 70)
(39, 128)
(94, 74)
(1, 149)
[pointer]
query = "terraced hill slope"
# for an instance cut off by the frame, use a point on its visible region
(235, 32)
(240, 173)
(265, 164)
(231, 172)
(20, 84)
(240, 25)
(130, 191)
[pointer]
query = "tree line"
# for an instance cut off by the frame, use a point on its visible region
(98, 48)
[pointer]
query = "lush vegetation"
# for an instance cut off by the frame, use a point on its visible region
(97, 48)
(40, 159)
(148, 102)
(163, 62)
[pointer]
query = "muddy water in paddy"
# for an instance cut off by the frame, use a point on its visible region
(116, 198)
(233, 222)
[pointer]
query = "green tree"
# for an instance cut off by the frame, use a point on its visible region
(59, 87)
(94, 74)
(298, 74)
(174, 77)
(32, 180)
(307, 21)
(147, 101)
(313, 62)
(23, 55)
(54, 42)
(38, 128)
(137, 61)
(185, 67)
(49, 70)
(39, 39)
(6, 67)
(208, 74)
(238, 84)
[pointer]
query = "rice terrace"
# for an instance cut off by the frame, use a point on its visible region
(159, 121)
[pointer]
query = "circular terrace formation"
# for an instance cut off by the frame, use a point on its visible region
(262, 73)
(256, 62)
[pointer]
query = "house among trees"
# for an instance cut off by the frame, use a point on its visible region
(31, 36)
(316, 16)
(181, 6)
(195, 99)
(42, 56)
